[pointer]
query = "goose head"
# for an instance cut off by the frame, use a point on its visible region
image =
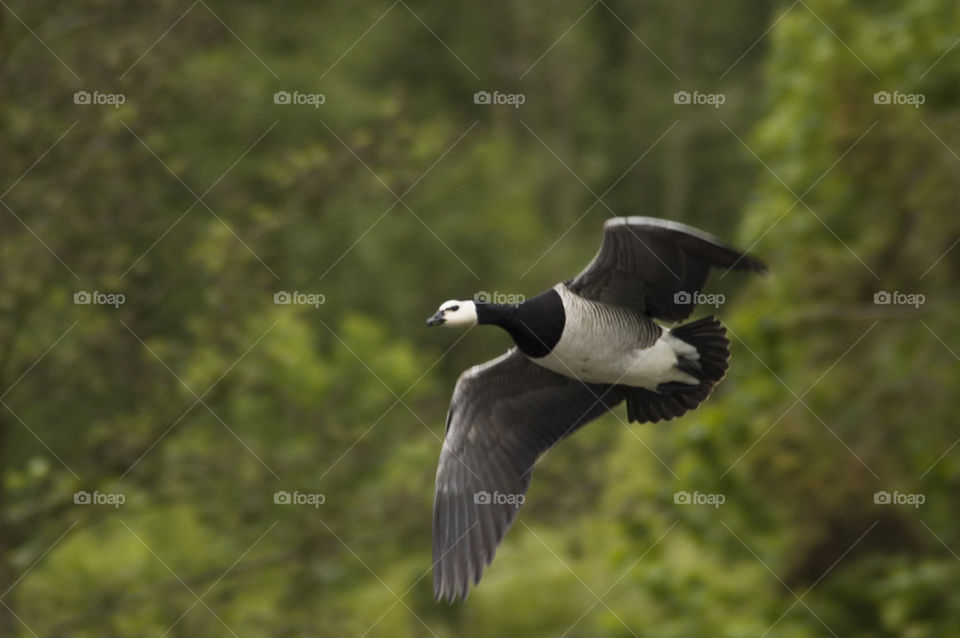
(454, 313)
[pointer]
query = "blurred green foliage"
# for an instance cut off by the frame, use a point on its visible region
(199, 398)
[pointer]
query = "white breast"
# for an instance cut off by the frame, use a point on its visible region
(609, 344)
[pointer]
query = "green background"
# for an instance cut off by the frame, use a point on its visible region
(198, 398)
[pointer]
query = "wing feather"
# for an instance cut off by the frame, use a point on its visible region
(644, 263)
(503, 416)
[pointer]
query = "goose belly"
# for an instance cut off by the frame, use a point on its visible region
(601, 343)
(613, 362)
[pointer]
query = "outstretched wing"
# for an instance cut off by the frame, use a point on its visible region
(504, 414)
(656, 266)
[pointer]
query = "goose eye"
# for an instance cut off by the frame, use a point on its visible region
(453, 308)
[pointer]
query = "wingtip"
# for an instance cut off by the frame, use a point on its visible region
(440, 593)
(449, 596)
(447, 588)
(752, 264)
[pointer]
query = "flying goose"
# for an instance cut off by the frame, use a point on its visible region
(582, 348)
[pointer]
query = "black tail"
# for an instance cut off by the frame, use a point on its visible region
(672, 399)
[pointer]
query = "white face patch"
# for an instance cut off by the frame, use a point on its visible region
(458, 313)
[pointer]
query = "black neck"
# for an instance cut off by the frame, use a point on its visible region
(535, 325)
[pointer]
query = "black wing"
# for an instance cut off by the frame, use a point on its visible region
(504, 414)
(656, 266)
